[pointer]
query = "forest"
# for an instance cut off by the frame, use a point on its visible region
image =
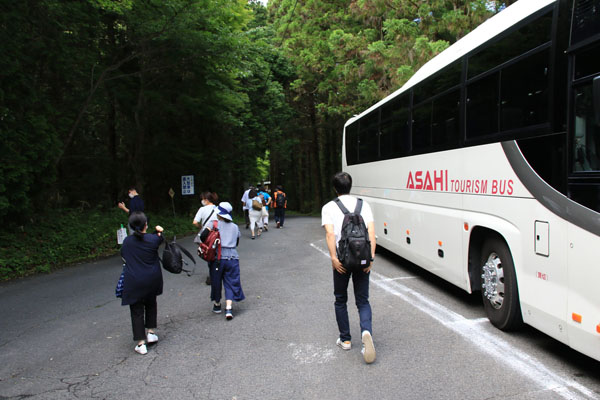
(99, 95)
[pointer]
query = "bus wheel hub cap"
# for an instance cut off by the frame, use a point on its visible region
(492, 280)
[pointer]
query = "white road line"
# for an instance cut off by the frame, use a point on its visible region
(491, 343)
(400, 278)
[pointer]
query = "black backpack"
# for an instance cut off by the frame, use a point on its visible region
(172, 258)
(280, 201)
(354, 248)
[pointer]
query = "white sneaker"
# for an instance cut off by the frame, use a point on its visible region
(141, 349)
(344, 345)
(368, 348)
(152, 338)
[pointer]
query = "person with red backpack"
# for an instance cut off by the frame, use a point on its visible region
(205, 215)
(225, 270)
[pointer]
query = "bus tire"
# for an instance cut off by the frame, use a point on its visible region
(499, 289)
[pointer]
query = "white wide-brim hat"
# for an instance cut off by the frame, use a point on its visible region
(225, 210)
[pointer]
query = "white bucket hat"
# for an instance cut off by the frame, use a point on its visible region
(225, 210)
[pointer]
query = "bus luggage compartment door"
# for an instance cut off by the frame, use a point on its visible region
(542, 238)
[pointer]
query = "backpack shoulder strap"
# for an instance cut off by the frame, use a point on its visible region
(359, 203)
(210, 215)
(187, 253)
(341, 206)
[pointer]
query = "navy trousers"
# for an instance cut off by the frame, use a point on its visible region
(360, 281)
(143, 315)
(226, 273)
(280, 215)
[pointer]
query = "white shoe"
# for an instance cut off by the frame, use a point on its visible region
(141, 349)
(152, 338)
(368, 348)
(344, 345)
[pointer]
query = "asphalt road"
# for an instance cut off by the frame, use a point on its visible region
(65, 336)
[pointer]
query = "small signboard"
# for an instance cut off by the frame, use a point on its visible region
(187, 185)
(171, 193)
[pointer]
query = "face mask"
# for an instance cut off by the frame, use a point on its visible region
(131, 196)
(204, 202)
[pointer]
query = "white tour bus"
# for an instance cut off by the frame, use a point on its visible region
(484, 168)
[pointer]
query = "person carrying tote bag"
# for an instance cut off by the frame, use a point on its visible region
(255, 207)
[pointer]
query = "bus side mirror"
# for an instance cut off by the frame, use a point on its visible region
(596, 98)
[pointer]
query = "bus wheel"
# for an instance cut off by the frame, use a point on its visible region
(499, 285)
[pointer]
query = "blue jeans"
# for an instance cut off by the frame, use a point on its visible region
(360, 280)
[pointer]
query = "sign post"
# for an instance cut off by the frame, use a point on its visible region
(172, 194)
(187, 185)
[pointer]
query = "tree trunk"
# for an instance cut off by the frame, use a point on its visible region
(137, 158)
(315, 162)
(112, 146)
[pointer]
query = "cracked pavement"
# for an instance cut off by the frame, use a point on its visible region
(65, 336)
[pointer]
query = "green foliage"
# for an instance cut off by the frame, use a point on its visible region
(62, 237)
(347, 55)
(98, 95)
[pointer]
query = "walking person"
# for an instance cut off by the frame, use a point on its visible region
(332, 219)
(266, 199)
(226, 271)
(136, 204)
(205, 215)
(254, 204)
(142, 280)
(279, 204)
(245, 207)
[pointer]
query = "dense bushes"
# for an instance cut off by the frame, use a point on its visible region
(63, 237)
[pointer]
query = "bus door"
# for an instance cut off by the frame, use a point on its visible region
(583, 315)
(584, 138)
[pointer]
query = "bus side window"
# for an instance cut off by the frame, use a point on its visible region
(482, 106)
(394, 140)
(386, 138)
(586, 139)
(586, 20)
(368, 138)
(524, 92)
(421, 127)
(517, 43)
(444, 119)
(352, 143)
(448, 78)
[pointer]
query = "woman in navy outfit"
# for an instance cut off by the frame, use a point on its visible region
(143, 279)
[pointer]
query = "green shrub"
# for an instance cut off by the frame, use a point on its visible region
(67, 236)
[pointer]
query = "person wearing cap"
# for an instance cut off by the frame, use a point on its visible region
(226, 272)
(136, 204)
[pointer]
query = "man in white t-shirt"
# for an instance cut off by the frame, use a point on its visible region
(245, 207)
(332, 219)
